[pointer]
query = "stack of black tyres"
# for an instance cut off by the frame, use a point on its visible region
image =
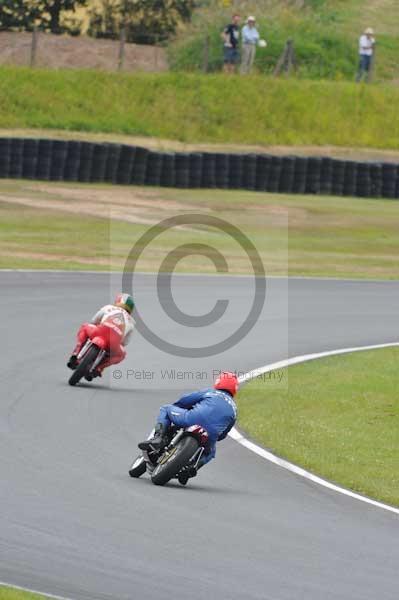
(287, 175)
(114, 163)
(222, 171)
(5, 151)
(140, 160)
(182, 170)
(195, 169)
(111, 168)
(273, 181)
(124, 171)
(44, 153)
(208, 170)
(389, 180)
(168, 170)
(86, 161)
(16, 157)
(300, 175)
(154, 168)
(376, 179)
(313, 178)
(236, 163)
(58, 158)
(99, 162)
(350, 179)
(326, 175)
(29, 159)
(72, 161)
(338, 177)
(262, 172)
(363, 180)
(249, 165)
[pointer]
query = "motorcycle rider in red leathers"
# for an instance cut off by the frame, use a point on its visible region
(115, 322)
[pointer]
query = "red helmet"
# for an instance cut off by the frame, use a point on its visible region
(227, 381)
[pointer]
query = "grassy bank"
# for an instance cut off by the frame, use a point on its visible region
(325, 35)
(59, 225)
(198, 108)
(9, 593)
(337, 417)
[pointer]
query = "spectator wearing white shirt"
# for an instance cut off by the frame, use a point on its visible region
(366, 53)
(250, 38)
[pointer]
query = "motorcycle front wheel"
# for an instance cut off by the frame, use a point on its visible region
(138, 467)
(84, 365)
(173, 461)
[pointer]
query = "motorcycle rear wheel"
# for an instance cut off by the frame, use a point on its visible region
(179, 457)
(84, 365)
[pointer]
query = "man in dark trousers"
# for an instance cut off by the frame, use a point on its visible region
(366, 55)
(231, 38)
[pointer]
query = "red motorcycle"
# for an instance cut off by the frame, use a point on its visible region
(183, 451)
(94, 351)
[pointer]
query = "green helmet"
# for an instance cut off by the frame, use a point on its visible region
(125, 301)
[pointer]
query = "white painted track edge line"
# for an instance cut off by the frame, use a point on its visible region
(243, 275)
(285, 464)
(25, 589)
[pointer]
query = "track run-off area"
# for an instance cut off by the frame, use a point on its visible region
(72, 522)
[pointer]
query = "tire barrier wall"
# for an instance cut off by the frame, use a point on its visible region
(58, 160)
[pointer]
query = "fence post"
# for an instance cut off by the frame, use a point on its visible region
(156, 52)
(287, 60)
(33, 47)
(205, 65)
(291, 56)
(280, 63)
(371, 73)
(121, 54)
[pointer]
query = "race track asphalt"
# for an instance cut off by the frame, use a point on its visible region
(73, 523)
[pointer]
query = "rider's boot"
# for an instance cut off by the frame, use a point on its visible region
(96, 373)
(157, 441)
(72, 362)
(186, 474)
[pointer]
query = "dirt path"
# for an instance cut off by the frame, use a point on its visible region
(172, 145)
(130, 205)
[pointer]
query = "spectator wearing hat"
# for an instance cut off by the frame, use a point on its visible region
(366, 53)
(230, 37)
(250, 37)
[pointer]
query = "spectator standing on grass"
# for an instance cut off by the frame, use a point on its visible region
(250, 38)
(231, 37)
(366, 54)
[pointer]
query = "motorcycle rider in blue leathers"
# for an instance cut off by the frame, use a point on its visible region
(214, 409)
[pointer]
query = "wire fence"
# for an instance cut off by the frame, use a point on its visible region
(41, 49)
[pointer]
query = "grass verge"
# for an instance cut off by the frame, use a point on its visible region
(198, 108)
(9, 593)
(78, 226)
(337, 417)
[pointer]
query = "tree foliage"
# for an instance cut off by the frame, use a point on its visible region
(145, 21)
(45, 14)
